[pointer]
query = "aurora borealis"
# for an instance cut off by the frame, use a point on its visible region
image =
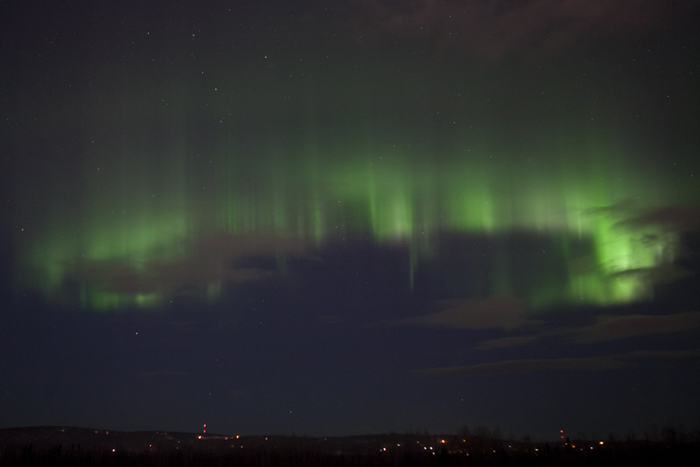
(149, 211)
(457, 186)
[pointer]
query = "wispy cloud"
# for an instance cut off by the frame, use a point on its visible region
(669, 218)
(208, 260)
(495, 29)
(496, 312)
(526, 366)
(662, 274)
(690, 353)
(606, 328)
(515, 341)
(609, 327)
(598, 363)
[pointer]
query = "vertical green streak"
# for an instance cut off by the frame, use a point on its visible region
(143, 215)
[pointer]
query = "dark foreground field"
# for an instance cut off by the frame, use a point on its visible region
(65, 446)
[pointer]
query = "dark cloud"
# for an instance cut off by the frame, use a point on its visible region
(609, 362)
(495, 312)
(690, 353)
(670, 218)
(211, 259)
(514, 341)
(230, 246)
(663, 274)
(526, 366)
(609, 328)
(606, 328)
(661, 230)
(656, 221)
(495, 29)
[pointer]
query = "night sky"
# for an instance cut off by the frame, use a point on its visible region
(350, 217)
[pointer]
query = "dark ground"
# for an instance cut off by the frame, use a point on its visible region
(66, 446)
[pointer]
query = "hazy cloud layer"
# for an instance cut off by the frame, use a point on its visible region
(496, 312)
(515, 341)
(495, 29)
(609, 362)
(670, 218)
(209, 259)
(609, 327)
(524, 366)
(606, 328)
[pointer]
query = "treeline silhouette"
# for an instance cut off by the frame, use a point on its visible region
(60, 446)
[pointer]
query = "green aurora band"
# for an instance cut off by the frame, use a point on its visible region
(140, 235)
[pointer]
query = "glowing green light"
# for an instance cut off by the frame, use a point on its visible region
(130, 224)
